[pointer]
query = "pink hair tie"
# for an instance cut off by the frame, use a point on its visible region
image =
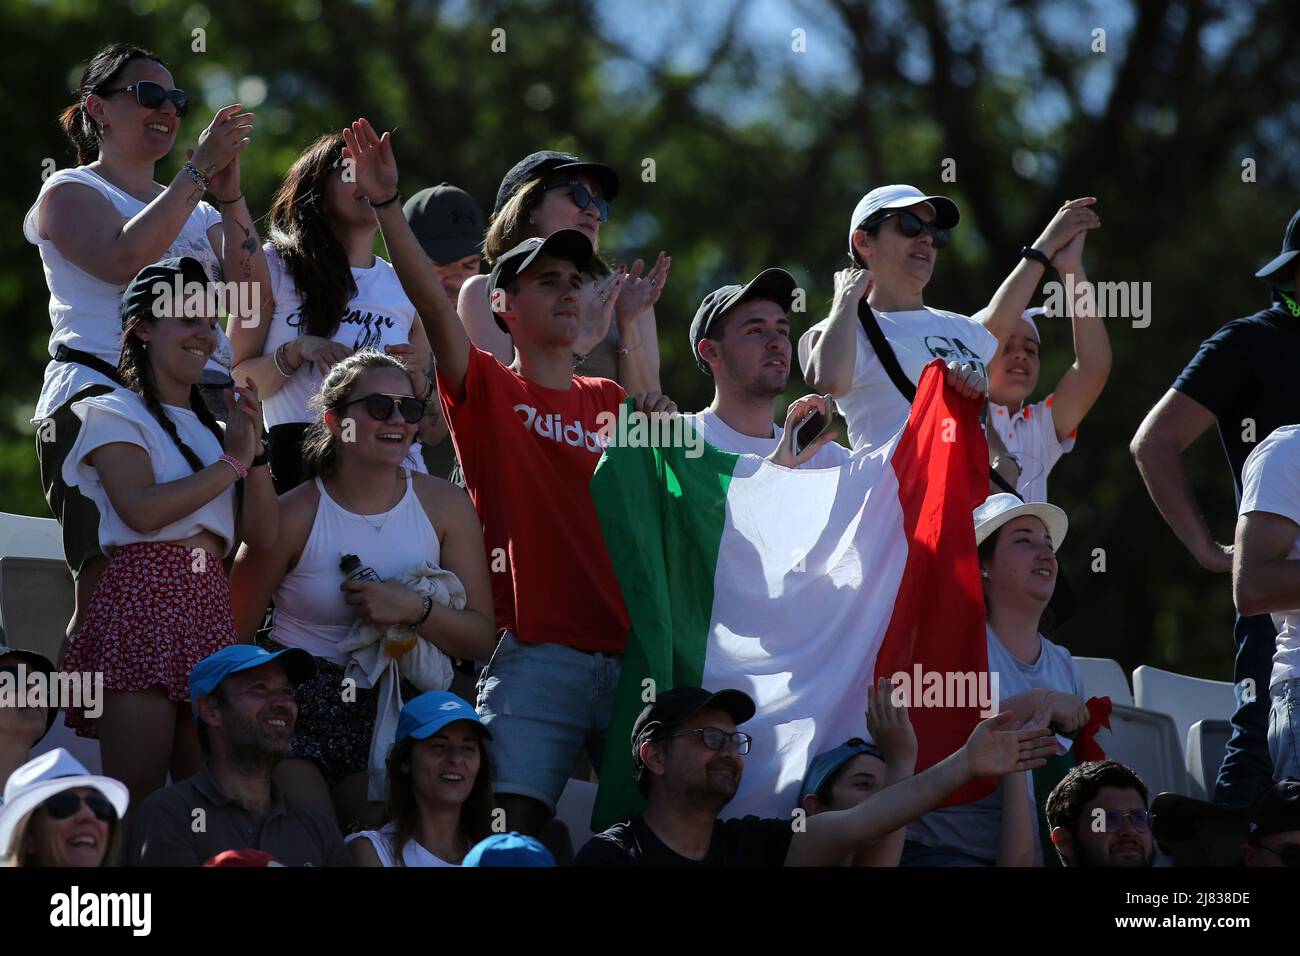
(234, 463)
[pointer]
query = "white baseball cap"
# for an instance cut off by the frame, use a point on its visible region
(946, 213)
(41, 778)
(1028, 315)
(998, 509)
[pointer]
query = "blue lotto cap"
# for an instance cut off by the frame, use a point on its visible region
(215, 668)
(427, 714)
(508, 849)
(825, 764)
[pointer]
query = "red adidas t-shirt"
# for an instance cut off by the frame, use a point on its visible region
(528, 454)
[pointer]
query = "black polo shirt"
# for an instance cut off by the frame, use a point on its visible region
(746, 841)
(1247, 370)
(167, 830)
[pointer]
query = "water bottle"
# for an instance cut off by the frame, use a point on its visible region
(399, 638)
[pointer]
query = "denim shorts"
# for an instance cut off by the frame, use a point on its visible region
(544, 703)
(1284, 729)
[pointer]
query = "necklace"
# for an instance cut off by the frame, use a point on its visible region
(373, 527)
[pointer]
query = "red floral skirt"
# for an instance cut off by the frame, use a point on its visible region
(157, 611)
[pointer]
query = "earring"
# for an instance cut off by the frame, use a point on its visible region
(984, 574)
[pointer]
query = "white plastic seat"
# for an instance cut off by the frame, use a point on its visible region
(25, 537)
(36, 603)
(1103, 677)
(574, 810)
(1147, 742)
(1186, 699)
(1207, 741)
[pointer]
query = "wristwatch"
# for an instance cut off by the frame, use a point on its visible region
(264, 455)
(1029, 252)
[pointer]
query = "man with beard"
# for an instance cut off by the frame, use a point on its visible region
(688, 759)
(741, 338)
(242, 701)
(1099, 816)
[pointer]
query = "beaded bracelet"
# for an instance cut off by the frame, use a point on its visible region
(281, 364)
(236, 464)
(193, 172)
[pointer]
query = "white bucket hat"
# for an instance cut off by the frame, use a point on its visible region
(998, 509)
(41, 778)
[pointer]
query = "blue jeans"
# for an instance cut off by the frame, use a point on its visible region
(1284, 729)
(543, 703)
(1247, 769)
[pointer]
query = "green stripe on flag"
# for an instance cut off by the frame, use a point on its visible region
(662, 515)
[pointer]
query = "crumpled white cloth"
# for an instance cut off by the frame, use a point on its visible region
(424, 665)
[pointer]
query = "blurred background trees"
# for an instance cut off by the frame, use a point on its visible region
(744, 133)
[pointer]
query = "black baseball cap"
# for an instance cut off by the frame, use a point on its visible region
(1277, 811)
(681, 703)
(570, 244)
(1280, 271)
(143, 290)
(536, 165)
(447, 221)
(775, 285)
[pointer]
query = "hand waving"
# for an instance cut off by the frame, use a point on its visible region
(373, 164)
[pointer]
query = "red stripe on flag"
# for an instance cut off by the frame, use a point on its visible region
(942, 464)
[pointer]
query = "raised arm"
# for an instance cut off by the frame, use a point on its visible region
(1082, 383)
(891, 729)
(1169, 428)
(1012, 297)
(992, 750)
(833, 352)
(92, 235)
(376, 173)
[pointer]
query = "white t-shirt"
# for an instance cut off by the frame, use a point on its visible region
(379, 314)
(122, 416)
(873, 408)
(86, 311)
(413, 854)
(1030, 435)
(1270, 482)
(722, 436)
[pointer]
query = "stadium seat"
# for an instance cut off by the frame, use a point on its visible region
(1147, 742)
(36, 602)
(574, 810)
(1186, 699)
(1206, 743)
(24, 537)
(1103, 677)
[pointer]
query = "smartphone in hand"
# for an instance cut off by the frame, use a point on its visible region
(811, 427)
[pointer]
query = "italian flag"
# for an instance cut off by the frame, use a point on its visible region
(799, 587)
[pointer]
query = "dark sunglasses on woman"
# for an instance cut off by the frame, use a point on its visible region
(582, 198)
(910, 225)
(66, 804)
(380, 406)
(151, 95)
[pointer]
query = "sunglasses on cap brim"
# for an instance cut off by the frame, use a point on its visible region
(910, 225)
(152, 95)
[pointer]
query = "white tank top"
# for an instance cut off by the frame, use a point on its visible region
(85, 311)
(309, 608)
(413, 854)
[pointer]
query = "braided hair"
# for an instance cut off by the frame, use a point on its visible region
(137, 375)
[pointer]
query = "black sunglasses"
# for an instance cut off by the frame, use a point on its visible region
(910, 225)
(65, 804)
(716, 739)
(582, 198)
(380, 406)
(151, 95)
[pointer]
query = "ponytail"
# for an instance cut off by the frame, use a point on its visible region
(104, 68)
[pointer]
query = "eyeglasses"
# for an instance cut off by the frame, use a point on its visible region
(1289, 854)
(1141, 820)
(151, 95)
(716, 739)
(65, 804)
(910, 225)
(582, 198)
(380, 406)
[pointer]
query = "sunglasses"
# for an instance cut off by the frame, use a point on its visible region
(910, 225)
(380, 406)
(152, 95)
(716, 739)
(65, 804)
(1141, 820)
(582, 198)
